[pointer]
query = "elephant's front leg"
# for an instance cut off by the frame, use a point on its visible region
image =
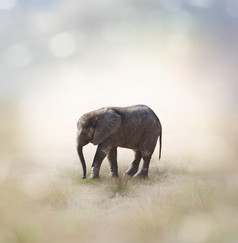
(97, 161)
(112, 158)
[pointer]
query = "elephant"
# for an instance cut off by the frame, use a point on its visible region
(135, 127)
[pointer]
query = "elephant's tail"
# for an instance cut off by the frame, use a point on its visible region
(160, 142)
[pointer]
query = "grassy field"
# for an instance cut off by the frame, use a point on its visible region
(62, 59)
(175, 204)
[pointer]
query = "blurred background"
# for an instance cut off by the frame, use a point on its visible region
(60, 59)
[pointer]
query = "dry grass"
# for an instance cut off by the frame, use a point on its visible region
(173, 205)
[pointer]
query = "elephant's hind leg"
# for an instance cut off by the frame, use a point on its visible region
(143, 173)
(112, 158)
(135, 164)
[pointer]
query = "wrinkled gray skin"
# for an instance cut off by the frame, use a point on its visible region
(134, 127)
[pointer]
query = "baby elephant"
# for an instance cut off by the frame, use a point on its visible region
(134, 127)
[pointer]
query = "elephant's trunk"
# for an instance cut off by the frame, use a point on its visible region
(80, 153)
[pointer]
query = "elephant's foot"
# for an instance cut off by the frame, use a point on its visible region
(131, 171)
(114, 172)
(94, 173)
(142, 174)
(113, 175)
(94, 177)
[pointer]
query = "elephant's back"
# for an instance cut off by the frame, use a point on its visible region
(141, 113)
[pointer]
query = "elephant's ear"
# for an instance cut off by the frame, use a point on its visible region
(106, 124)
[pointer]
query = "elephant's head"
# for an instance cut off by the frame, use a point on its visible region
(96, 127)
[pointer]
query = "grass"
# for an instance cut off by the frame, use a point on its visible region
(173, 205)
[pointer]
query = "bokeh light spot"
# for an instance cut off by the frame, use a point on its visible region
(44, 21)
(201, 3)
(18, 55)
(171, 5)
(7, 4)
(63, 45)
(181, 22)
